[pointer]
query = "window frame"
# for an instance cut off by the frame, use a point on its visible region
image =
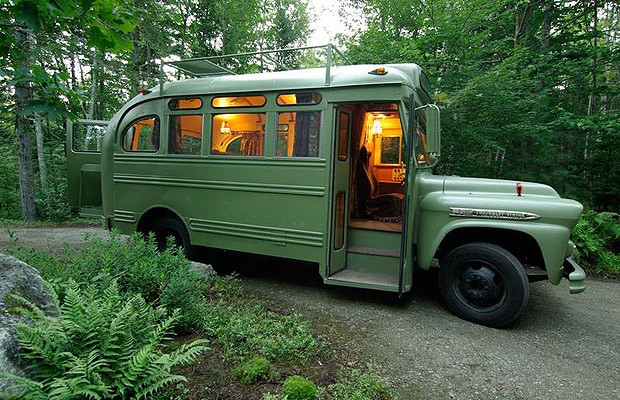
(131, 125)
(185, 109)
(249, 111)
(232, 95)
(321, 113)
(202, 132)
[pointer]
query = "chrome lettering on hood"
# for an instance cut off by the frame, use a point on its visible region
(494, 214)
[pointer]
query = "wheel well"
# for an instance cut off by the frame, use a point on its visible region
(521, 245)
(154, 214)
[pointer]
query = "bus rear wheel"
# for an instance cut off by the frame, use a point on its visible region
(484, 283)
(169, 227)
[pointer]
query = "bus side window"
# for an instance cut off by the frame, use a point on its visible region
(298, 134)
(240, 134)
(142, 135)
(185, 133)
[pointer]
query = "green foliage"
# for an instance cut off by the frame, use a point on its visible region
(102, 345)
(9, 186)
(255, 370)
(525, 87)
(359, 386)
(162, 278)
(246, 328)
(52, 204)
(298, 388)
(597, 237)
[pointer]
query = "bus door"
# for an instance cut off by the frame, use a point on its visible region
(340, 190)
(83, 148)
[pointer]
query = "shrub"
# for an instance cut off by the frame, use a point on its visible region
(100, 346)
(256, 370)
(52, 203)
(597, 237)
(359, 386)
(162, 278)
(298, 388)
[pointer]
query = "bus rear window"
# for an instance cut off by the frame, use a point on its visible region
(238, 134)
(142, 135)
(185, 104)
(238, 101)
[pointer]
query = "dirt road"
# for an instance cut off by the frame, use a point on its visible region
(564, 346)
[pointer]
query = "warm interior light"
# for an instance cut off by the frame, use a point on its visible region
(376, 129)
(225, 128)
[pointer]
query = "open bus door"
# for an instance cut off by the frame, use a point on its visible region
(368, 248)
(83, 150)
(340, 200)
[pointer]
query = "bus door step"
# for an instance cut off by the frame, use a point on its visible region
(364, 280)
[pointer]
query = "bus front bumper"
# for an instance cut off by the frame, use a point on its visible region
(576, 276)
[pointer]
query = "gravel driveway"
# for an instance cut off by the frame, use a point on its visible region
(563, 346)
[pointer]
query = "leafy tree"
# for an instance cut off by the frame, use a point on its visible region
(529, 89)
(104, 24)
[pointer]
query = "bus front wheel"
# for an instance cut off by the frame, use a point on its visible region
(484, 283)
(169, 227)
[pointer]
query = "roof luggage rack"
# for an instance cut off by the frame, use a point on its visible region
(205, 66)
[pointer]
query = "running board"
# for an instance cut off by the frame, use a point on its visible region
(364, 280)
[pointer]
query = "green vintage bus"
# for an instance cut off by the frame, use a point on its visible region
(330, 165)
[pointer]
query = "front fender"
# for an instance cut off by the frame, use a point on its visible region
(547, 236)
(550, 231)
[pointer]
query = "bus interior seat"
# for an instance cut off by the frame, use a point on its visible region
(386, 207)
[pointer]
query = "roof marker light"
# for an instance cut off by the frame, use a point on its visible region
(378, 71)
(144, 91)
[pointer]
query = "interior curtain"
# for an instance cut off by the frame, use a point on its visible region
(250, 143)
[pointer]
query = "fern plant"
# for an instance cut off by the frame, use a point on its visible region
(597, 237)
(100, 347)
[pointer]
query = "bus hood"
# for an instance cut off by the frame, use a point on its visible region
(497, 199)
(483, 186)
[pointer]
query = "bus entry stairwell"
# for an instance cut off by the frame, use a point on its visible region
(373, 256)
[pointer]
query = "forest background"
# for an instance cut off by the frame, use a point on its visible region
(529, 89)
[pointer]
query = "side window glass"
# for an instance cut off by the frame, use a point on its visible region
(305, 98)
(185, 104)
(185, 134)
(142, 135)
(298, 134)
(238, 101)
(240, 134)
(343, 137)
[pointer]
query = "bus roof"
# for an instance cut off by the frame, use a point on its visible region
(315, 78)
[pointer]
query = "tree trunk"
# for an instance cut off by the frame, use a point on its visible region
(23, 94)
(521, 22)
(38, 129)
(545, 33)
(136, 80)
(93, 87)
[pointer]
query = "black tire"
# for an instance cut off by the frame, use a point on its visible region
(170, 227)
(484, 283)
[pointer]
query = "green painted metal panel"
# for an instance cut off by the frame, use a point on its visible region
(550, 226)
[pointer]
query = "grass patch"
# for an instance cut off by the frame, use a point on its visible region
(357, 385)
(77, 221)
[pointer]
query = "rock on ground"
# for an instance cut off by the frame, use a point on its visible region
(17, 278)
